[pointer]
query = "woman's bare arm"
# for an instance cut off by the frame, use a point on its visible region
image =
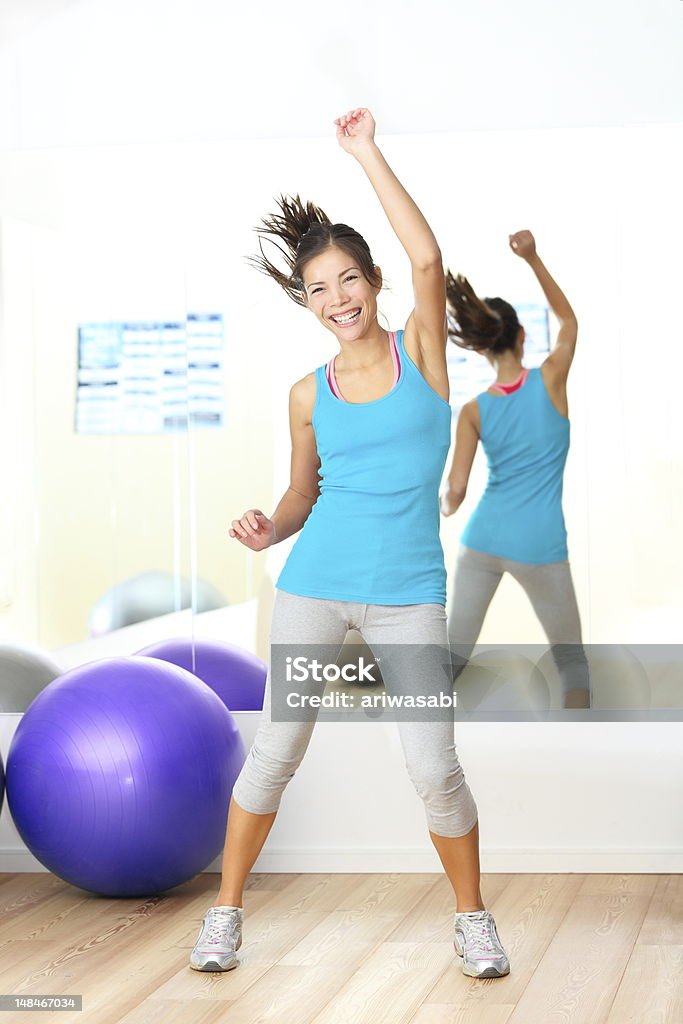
(466, 441)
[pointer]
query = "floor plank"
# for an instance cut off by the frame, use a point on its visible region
(390, 985)
(651, 990)
(442, 1013)
(578, 977)
(663, 924)
(432, 918)
(351, 948)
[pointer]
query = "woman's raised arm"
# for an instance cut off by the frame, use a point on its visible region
(356, 135)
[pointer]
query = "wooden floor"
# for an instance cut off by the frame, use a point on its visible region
(350, 949)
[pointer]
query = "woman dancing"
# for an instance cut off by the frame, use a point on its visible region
(518, 526)
(370, 434)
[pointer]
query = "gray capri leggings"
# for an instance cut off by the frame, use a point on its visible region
(551, 592)
(428, 746)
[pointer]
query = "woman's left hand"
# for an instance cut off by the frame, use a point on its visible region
(355, 129)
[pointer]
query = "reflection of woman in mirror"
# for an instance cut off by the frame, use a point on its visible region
(518, 525)
(370, 434)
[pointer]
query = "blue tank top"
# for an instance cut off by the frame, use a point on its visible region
(373, 534)
(526, 441)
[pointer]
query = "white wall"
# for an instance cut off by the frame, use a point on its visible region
(561, 797)
(113, 71)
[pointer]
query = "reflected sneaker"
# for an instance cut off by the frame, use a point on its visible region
(219, 940)
(477, 942)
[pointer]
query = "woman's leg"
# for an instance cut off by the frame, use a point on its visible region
(477, 576)
(423, 667)
(279, 747)
(411, 641)
(551, 591)
(244, 838)
(460, 858)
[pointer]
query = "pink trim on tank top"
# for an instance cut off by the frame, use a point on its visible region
(332, 380)
(507, 389)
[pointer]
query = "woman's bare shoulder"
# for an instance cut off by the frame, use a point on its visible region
(302, 396)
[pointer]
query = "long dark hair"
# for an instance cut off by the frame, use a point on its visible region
(489, 324)
(301, 231)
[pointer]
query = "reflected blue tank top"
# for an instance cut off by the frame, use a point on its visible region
(526, 441)
(373, 534)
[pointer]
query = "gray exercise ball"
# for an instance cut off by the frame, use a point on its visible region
(24, 673)
(147, 596)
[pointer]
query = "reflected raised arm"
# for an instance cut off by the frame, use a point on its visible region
(558, 363)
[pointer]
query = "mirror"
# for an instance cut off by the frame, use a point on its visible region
(105, 250)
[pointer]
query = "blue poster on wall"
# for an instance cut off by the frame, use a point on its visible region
(150, 377)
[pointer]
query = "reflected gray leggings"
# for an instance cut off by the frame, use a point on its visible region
(428, 746)
(551, 592)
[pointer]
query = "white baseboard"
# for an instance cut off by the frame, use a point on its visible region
(506, 861)
(513, 861)
(14, 860)
(583, 861)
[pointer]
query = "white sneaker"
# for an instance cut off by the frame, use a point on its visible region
(477, 942)
(219, 940)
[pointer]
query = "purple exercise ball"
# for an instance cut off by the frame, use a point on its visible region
(120, 774)
(236, 675)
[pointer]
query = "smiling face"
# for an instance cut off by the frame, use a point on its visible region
(339, 294)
